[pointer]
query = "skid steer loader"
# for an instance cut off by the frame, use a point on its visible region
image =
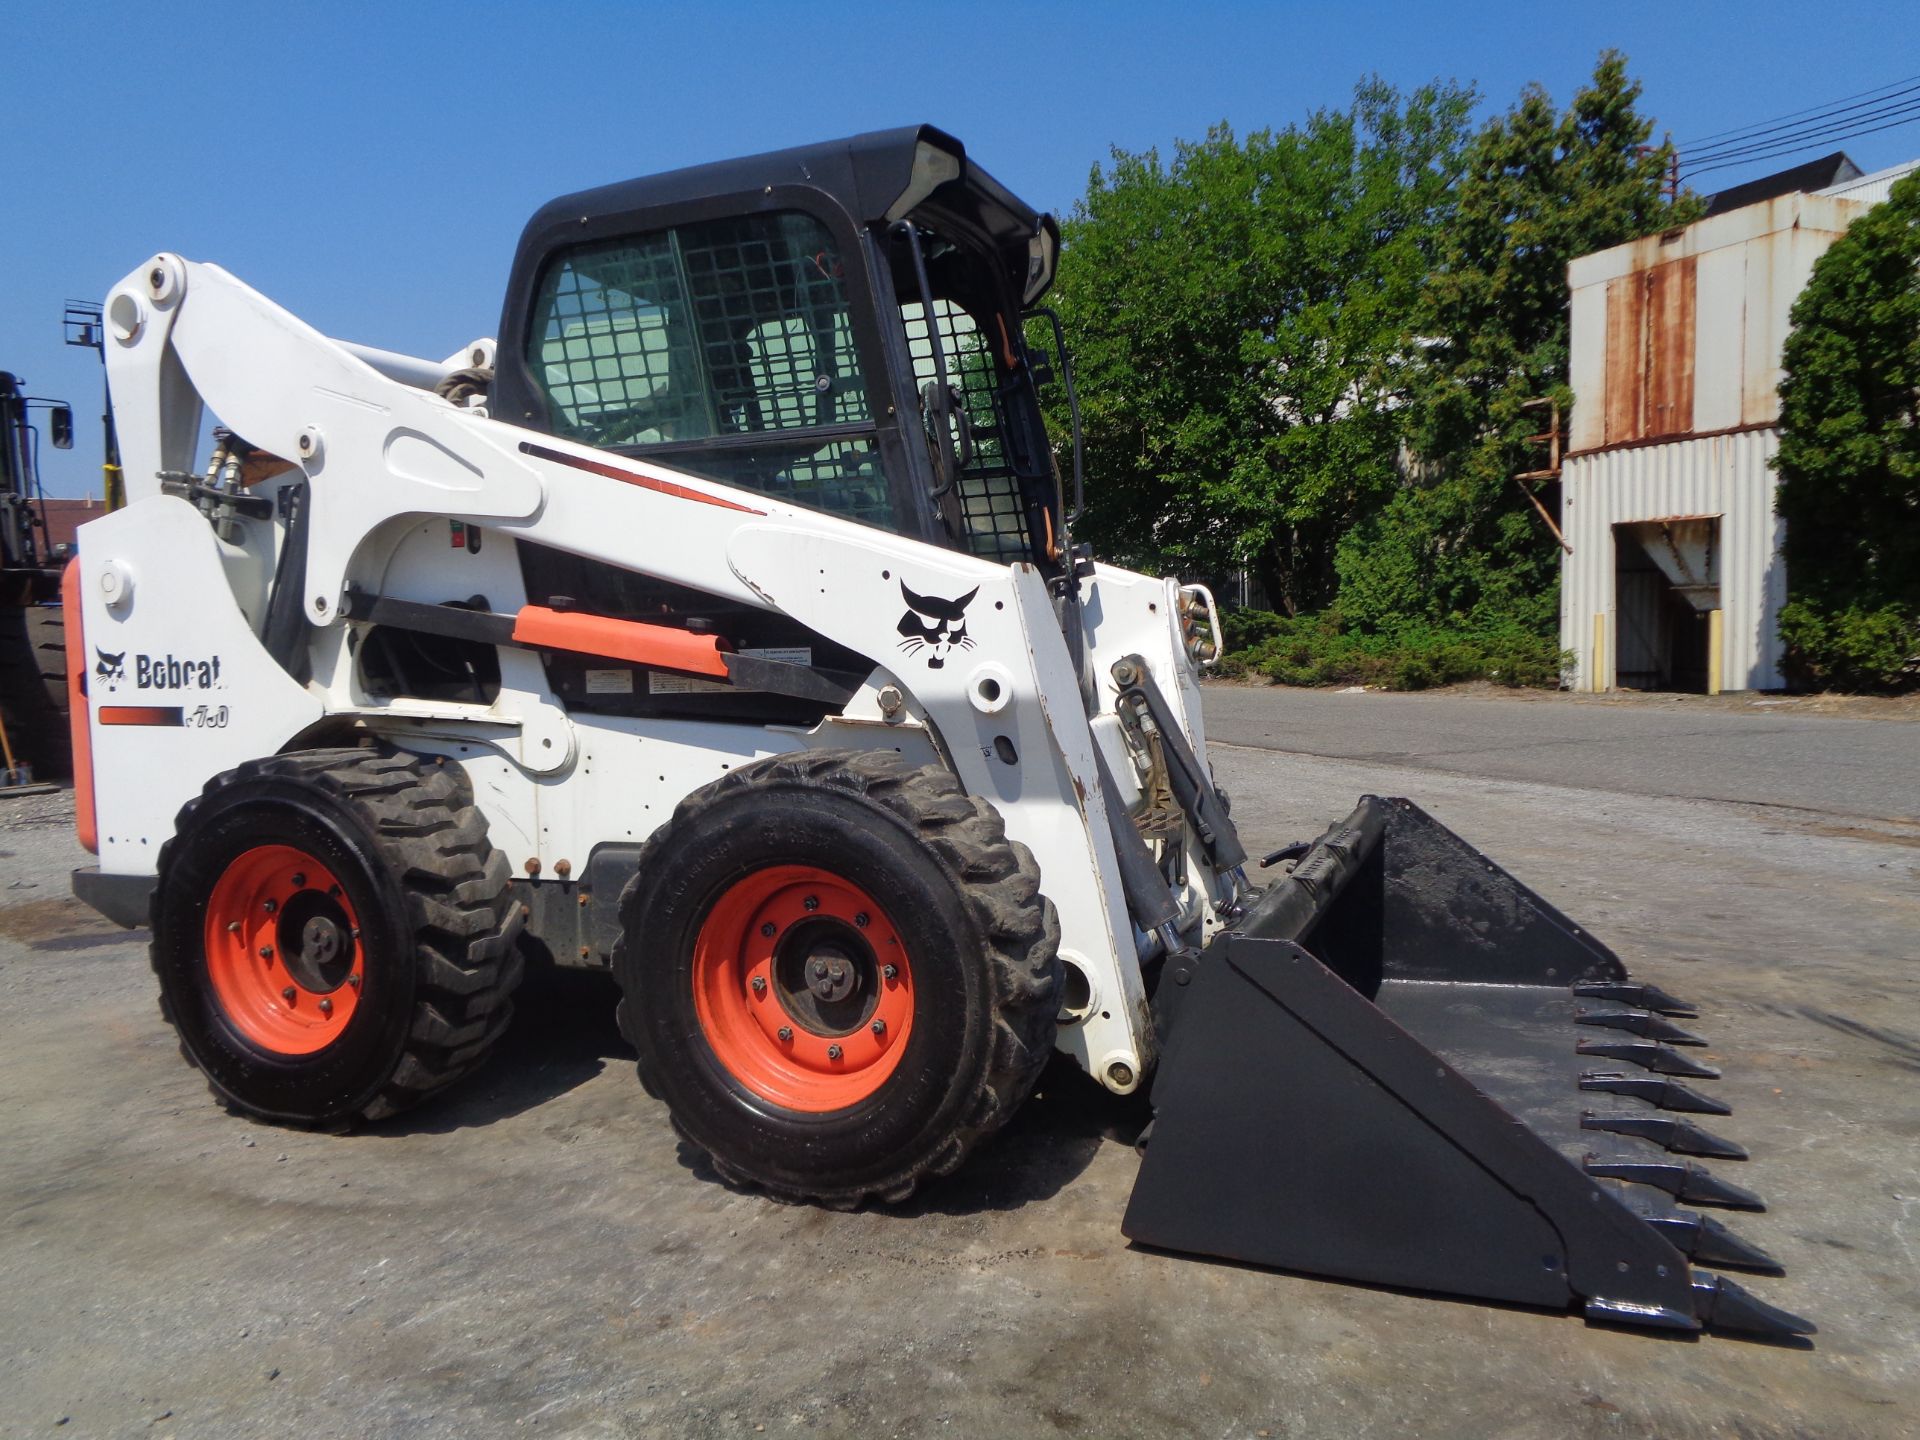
(724, 627)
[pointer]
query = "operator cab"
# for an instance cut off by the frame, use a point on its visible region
(838, 326)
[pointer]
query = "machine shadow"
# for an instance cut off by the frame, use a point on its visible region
(563, 1035)
(1049, 1142)
(1044, 1148)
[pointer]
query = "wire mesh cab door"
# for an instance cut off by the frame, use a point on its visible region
(1001, 496)
(739, 346)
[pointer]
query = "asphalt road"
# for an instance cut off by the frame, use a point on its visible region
(1675, 746)
(535, 1254)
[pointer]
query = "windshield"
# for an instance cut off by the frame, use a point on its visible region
(724, 347)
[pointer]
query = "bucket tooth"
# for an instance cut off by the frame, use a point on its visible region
(1683, 1180)
(1651, 1055)
(1678, 1136)
(1702, 1238)
(1604, 1311)
(1725, 1306)
(1667, 1094)
(1639, 1022)
(1628, 992)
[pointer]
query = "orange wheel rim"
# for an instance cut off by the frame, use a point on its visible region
(283, 950)
(803, 988)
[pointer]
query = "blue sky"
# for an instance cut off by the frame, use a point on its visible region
(370, 166)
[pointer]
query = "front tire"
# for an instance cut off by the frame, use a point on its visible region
(333, 935)
(839, 974)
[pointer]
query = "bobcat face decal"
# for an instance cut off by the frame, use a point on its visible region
(935, 624)
(110, 668)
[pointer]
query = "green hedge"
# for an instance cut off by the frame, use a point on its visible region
(1320, 650)
(1855, 648)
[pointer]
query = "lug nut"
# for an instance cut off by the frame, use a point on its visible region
(233, 926)
(353, 982)
(861, 920)
(833, 1052)
(892, 972)
(288, 994)
(879, 1027)
(759, 984)
(266, 952)
(326, 1007)
(786, 1032)
(270, 905)
(812, 902)
(299, 880)
(334, 891)
(768, 930)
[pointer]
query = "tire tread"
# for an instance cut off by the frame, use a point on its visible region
(996, 877)
(465, 922)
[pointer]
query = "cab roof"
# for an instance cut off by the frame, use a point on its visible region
(868, 176)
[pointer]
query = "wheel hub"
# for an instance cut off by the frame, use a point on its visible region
(803, 988)
(315, 941)
(829, 976)
(283, 950)
(825, 975)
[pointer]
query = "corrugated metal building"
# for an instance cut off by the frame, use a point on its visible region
(1675, 579)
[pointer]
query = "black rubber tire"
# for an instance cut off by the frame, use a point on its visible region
(438, 929)
(33, 688)
(984, 947)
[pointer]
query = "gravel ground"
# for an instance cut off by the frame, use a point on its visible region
(536, 1255)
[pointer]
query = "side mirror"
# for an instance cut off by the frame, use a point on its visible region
(60, 423)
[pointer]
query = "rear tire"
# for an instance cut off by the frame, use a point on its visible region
(839, 974)
(333, 935)
(33, 688)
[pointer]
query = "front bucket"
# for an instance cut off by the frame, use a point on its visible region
(1407, 1068)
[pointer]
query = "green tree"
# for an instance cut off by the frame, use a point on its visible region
(1460, 541)
(1849, 458)
(1239, 317)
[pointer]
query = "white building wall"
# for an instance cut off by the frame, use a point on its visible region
(1723, 475)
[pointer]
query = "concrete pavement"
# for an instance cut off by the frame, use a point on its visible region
(1769, 753)
(537, 1255)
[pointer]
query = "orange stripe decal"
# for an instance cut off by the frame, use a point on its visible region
(140, 715)
(632, 477)
(658, 647)
(84, 823)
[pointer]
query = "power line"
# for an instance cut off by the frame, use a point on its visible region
(1795, 114)
(1874, 110)
(1787, 144)
(1795, 149)
(1838, 129)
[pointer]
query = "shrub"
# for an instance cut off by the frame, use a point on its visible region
(1320, 650)
(1851, 649)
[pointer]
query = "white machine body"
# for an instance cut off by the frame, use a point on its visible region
(180, 687)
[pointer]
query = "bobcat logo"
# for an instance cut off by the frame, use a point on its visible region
(932, 623)
(110, 668)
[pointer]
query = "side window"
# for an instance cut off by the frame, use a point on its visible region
(732, 332)
(988, 489)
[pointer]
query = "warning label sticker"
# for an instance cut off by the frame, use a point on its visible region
(609, 682)
(659, 684)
